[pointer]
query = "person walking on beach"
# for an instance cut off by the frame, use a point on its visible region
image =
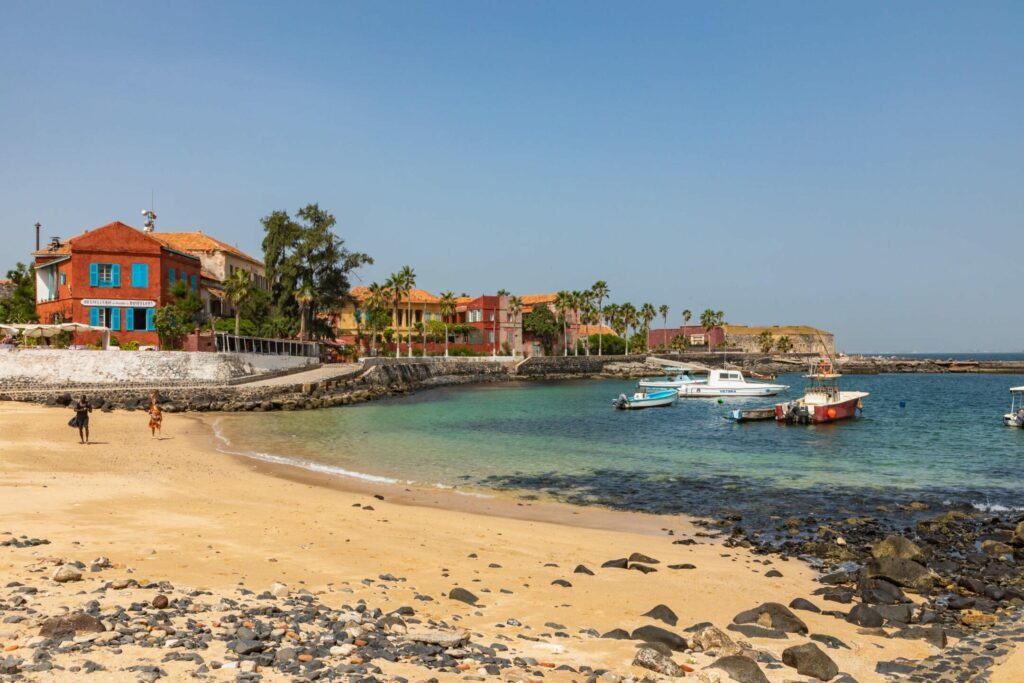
(156, 416)
(81, 418)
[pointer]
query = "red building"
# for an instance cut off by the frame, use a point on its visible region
(695, 336)
(115, 276)
(493, 327)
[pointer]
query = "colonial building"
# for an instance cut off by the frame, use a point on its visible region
(532, 346)
(114, 276)
(802, 338)
(351, 320)
(695, 335)
(220, 261)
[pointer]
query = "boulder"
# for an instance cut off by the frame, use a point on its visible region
(740, 669)
(462, 595)
(1018, 534)
(66, 573)
(905, 573)
(863, 615)
(713, 639)
(809, 660)
(772, 615)
(897, 546)
(71, 625)
(656, 634)
(996, 548)
(662, 613)
(649, 658)
(446, 639)
(806, 605)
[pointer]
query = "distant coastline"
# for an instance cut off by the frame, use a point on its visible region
(962, 356)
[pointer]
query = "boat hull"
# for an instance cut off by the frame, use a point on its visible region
(752, 414)
(660, 399)
(821, 413)
(749, 391)
(1010, 420)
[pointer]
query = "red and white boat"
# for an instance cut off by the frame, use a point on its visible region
(823, 402)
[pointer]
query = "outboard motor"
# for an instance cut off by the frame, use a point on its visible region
(620, 402)
(1020, 417)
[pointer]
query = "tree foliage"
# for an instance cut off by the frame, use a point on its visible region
(543, 325)
(178, 317)
(20, 307)
(304, 254)
(766, 341)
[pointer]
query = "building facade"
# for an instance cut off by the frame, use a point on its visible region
(220, 261)
(114, 276)
(533, 346)
(802, 338)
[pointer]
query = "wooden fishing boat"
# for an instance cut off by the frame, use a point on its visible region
(751, 414)
(823, 402)
(653, 399)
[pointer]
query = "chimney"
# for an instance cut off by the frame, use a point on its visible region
(38, 225)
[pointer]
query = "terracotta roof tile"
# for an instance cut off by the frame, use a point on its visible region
(596, 329)
(199, 241)
(418, 296)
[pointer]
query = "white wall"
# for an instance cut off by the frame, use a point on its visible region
(55, 366)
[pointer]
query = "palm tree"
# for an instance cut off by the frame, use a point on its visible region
(408, 278)
(599, 291)
(647, 314)
(515, 309)
(588, 315)
(303, 297)
(562, 304)
(613, 315)
(784, 345)
(663, 310)
(686, 321)
(375, 302)
(237, 288)
(629, 319)
(709, 320)
(494, 323)
(394, 288)
(447, 310)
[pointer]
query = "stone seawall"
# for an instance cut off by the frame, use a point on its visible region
(562, 367)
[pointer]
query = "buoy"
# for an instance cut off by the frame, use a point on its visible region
(720, 401)
(832, 413)
(903, 404)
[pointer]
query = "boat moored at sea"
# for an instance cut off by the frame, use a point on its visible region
(683, 377)
(724, 383)
(641, 399)
(751, 414)
(824, 401)
(1015, 418)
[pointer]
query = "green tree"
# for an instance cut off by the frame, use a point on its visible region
(304, 298)
(563, 302)
(395, 287)
(447, 311)
(709, 320)
(237, 288)
(305, 254)
(178, 317)
(543, 325)
(20, 307)
(376, 305)
(407, 279)
(647, 314)
(629, 319)
(600, 292)
(766, 341)
(663, 310)
(784, 345)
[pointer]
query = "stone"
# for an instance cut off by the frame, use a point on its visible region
(806, 605)
(829, 641)
(755, 631)
(880, 592)
(973, 617)
(656, 634)
(662, 613)
(898, 547)
(1018, 533)
(649, 658)
(621, 563)
(996, 548)
(616, 634)
(279, 590)
(462, 595)
(898, 614)
(740, 669)
(713, 639)
(66, 573)
(561, 582)
(161, 602)
(71, 625)
(446, 639)
(809, 660)
(934, 634)
(866, 616)
(644, 559)
(246, 646)
(774, 616)
(904, 573)
(581, 569)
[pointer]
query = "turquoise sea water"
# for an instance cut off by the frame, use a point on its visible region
(947, 443)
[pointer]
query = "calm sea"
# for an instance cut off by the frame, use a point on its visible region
(930, 437)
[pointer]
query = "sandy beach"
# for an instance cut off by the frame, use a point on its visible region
(175, 510)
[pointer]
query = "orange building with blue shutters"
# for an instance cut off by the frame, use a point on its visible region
(115, 276)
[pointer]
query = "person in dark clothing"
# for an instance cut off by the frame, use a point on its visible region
(81, 420)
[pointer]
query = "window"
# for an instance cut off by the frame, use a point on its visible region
(194, 283)
(490, 337)
(138, 319)
(474, 316)
(104, 275)
(171, 276)
(140, 275)
(63, 278)
(490, 317)
(105, 317)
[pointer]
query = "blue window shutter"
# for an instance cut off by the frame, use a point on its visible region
(149, 319)
(94, 275)
(115, 318)
(193, 283)
(63, 278)
(129, 320)
(172, 277)
(115, 275)
(143, 275)
(94, 317)
(137, 275)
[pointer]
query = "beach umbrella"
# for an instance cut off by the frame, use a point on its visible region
(40, 331)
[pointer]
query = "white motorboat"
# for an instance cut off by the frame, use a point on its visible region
(723, 383)
(642, 399)
(1015, 418)
(683, 377)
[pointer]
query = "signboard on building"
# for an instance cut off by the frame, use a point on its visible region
(118, 303)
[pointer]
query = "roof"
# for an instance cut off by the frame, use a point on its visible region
(530, 299)
(416, 296)
(1016, 389)
(199, 241)
(734, 330)
(596, 329)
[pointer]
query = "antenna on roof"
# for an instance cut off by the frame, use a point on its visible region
(150, 215)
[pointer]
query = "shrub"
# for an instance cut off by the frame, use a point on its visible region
(130, 346)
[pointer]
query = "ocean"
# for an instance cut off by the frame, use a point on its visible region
(937, 438)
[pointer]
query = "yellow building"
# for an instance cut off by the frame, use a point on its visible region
(425, 306)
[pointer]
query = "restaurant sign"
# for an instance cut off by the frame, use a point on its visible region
(118, 303)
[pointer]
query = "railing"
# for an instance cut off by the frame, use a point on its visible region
(229, 343)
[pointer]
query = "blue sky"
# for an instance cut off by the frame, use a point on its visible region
(858, 166)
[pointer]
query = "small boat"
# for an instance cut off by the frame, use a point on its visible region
(1015, 418)
(683, 377)
(728, 383)
(751, 414)
(654, 399)
(823, 402)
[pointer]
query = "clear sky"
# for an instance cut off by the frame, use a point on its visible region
(857, 166)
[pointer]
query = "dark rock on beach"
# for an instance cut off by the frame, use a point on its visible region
(462, 595)
(662, 613)
(809, 660)
(740, 669)
(656, 634)
(772, 615)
